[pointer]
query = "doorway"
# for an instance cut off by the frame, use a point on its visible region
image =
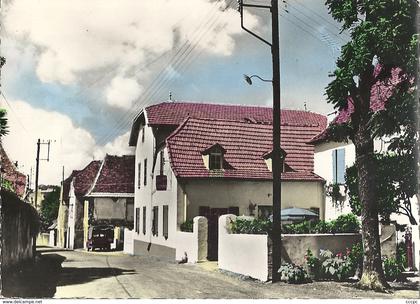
(212, 215)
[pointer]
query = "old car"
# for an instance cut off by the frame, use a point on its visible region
(100, 236)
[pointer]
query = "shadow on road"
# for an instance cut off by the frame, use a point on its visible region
(74, 275)
(33, 280)
(40, 279)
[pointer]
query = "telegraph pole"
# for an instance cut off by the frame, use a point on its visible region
(276, 158)
(38, 148)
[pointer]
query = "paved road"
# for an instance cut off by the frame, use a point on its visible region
(115, 275)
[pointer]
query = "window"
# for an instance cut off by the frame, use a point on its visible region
(338, 166)
(155, 221)
(215, 161)
(138, 175)
(145, 172)
(144, 220)
(165, 222)
(142, 134)
(137, 220)
(129, 209)
(162, 162)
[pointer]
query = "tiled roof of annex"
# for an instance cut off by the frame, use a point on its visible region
(116, 175)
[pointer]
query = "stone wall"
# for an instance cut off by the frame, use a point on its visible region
(20, 225)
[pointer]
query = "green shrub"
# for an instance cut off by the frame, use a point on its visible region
(187, 226)
(346, 223)
(299, 228)
(255, 226)
(313, 264)
(336, 267)
(392, 269)
(293, 274)
(355, 256)
(322, 227)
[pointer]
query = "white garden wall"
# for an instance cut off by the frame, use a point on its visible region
(193, 245)
(246, 254)
(128, 241)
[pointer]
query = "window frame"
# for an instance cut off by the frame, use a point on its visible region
(138, 175)
(137, 228)
(144, 220)
(155, 221)
(212, 157)
(165, 228)
(145, 172)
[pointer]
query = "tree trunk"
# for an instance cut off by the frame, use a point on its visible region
(373, 275)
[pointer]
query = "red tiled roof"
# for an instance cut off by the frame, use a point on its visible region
(66, 186)
(381, 91)
(116, 175)
(83, 180)
(174, 113)
(11, 174)
(245, 145)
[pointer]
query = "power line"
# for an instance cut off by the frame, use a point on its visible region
(317, 22)
(321, 17)
(179, 62)
(14, 113)
(147, 94)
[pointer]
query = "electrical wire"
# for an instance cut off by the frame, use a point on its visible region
(14, 113)
(179, 61)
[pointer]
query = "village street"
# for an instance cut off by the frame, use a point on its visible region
(116, 275)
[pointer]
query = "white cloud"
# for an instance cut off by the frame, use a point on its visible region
(80, 36)
(119, 146)
(72, 147)
(122, 92)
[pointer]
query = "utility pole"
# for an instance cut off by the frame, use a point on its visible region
(38, 149)
(276, 158)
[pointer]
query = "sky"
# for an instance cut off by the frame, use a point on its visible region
(77, 72)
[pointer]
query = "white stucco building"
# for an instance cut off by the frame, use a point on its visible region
(332, 159)
(196, 159)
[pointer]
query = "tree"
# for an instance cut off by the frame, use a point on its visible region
(373, 91)
(49, 207)
(3, 123)
(396, 184)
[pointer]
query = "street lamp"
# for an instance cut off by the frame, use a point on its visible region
(249, 81)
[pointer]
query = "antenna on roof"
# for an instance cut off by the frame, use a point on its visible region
(170, 96)
(304, 105)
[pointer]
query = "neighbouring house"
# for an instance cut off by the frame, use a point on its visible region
(331, 160)
(102, 192)
(42, 191)
(11, 178)
(198, 159)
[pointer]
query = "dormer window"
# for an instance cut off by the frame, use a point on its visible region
(213, 157)
(269, 160)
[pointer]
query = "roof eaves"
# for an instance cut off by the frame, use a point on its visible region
(135, 129)
(97, 176)
(173, 134)
(110, 194)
